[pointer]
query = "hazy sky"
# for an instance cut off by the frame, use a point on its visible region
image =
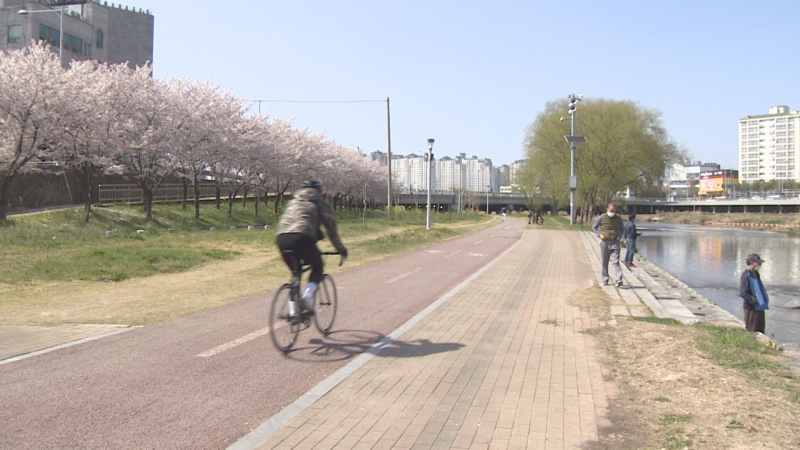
(474, 74)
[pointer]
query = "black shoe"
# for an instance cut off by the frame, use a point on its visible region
(619, 283)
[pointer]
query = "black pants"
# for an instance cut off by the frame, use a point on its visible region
(297, 246)
(754, 320)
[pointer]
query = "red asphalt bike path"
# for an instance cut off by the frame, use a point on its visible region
(205, 380)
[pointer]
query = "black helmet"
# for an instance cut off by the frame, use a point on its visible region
(313, 184)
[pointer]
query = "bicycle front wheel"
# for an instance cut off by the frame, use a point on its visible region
(282, 328)
(326, 304)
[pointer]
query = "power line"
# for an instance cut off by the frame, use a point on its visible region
(319, 101)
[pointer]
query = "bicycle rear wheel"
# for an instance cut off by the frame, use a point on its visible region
(282, 329)
(326, 304)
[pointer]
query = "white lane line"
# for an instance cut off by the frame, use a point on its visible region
(453, 254)
(235, 343)
(403, 275)
(434, 251)
(266, 429)
(479, 242)
(68, 344)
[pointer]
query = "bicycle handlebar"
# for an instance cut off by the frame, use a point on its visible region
(341, 260)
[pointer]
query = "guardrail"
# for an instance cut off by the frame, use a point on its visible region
(131, 193)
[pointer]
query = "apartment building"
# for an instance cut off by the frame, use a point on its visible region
(768, 146)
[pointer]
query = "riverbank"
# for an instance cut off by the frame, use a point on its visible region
(705, 384)
(789, 222)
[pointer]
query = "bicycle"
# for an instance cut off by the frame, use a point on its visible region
(284, 328)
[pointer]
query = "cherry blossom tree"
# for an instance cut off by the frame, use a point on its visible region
(206, 122)
(147, 126)
(92, 95)
(31, 112)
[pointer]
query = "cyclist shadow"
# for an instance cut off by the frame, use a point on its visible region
(347, 344)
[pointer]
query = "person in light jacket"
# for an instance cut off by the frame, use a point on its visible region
(752, 290)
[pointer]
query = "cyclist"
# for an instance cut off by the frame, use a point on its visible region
(298, 233)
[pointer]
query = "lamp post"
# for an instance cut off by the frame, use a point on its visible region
(430, 164)
(572, 139)
(488, 189)
(60, 27)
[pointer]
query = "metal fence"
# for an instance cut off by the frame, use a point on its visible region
(131, 193)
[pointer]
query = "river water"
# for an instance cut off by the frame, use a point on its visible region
(711, 260)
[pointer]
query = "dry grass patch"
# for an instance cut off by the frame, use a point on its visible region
(699, 386)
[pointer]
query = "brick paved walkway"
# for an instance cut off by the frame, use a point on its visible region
(505, 363)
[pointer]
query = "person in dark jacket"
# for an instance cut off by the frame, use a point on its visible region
(298, 233)
(629, 234)
(752, 290)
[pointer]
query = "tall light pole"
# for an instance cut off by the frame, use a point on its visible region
(388, 159)
(572, 139)
(430, 164)
(488, 189)
(60, 27)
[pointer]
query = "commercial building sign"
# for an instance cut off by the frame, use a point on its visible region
(718, 181)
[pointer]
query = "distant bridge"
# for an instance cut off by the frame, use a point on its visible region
(445, 201)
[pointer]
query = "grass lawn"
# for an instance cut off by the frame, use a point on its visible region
(120, 269)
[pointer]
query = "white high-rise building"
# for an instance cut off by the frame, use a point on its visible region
(515, 170)
(410, 172)
(768, 146)
(447, 174)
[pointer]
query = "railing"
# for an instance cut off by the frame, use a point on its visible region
(131, 193)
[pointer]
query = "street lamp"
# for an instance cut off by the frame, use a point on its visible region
(488, 189)
(572, 139)
(430, 178)
(60, 26)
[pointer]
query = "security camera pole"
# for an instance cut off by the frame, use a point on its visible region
(572, 139)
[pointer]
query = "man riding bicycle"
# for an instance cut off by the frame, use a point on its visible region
(298, 233)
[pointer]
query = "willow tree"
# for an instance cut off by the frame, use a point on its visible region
(627, 146)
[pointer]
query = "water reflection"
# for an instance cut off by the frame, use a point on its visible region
(711, 260)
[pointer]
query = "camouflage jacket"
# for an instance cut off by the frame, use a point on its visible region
(304, 214)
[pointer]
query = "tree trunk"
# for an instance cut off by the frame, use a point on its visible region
(231, 197)
(218, 195)
(196, 197)
(278, 200)
(257, 200)
(244, 197)
(87, 173)
(185, 195)
(4, 197)
(148, 203)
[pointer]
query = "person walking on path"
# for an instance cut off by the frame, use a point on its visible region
(608, 227)
(752, 290)
(630, 234)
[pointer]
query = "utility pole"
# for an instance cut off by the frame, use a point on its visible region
(388, 158)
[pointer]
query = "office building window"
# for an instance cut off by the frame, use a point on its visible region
(99, 39)
(48, 34)
(15, 34)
